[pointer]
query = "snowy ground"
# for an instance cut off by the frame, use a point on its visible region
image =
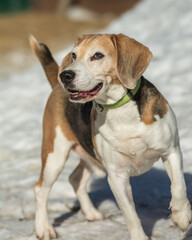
(165, 27)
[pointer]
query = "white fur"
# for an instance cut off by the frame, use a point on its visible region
(180, 206)
(121, 133)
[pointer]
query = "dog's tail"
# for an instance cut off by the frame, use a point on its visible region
(51, 68)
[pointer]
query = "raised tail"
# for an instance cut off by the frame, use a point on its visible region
(51, 68)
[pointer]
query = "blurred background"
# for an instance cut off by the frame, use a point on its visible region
(55, 22)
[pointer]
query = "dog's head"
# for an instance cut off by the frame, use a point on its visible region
(102, 67)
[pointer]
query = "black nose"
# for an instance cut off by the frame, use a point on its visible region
(67, 76)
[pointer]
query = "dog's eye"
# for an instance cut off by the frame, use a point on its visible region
(74, 56)
(97, 56)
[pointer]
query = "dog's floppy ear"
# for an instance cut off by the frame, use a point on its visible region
(132, 60)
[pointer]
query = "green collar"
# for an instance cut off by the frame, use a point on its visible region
(125, 99)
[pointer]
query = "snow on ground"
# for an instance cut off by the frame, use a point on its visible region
(165, 27)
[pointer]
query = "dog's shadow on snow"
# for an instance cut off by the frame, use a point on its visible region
(151, 193)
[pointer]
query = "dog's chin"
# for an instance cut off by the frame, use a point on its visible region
(84, 96)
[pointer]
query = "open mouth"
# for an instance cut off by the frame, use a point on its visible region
(85, 95)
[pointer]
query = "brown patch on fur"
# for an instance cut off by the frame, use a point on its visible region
(150, 102)
(116, 81)
(51, 72)
(148, 115)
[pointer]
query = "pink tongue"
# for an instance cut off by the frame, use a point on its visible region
(83, 94)
(87, 93)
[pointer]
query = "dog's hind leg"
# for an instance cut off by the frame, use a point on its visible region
(79, 179)
(55, 152)
(180, 206)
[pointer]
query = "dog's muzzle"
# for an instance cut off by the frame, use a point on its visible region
(67, 77)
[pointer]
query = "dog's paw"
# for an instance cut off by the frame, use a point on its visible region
(143, 238)
(182, 217)
(139, 237)
(46, 233)
(93, 215)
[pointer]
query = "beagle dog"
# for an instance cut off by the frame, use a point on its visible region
(104, 109)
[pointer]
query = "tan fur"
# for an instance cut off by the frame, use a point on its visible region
(86, 41)
(85, 37)
(152, 105)
(66, 61)
(148, 116)
(132, 59)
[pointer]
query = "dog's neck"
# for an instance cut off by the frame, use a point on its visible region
(122, 101)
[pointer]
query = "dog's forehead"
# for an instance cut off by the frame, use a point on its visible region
(95, 42)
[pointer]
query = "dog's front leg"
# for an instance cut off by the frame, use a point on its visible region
(180, 206)
(121, 188)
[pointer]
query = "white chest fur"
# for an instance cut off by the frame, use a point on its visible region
(125, 142)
